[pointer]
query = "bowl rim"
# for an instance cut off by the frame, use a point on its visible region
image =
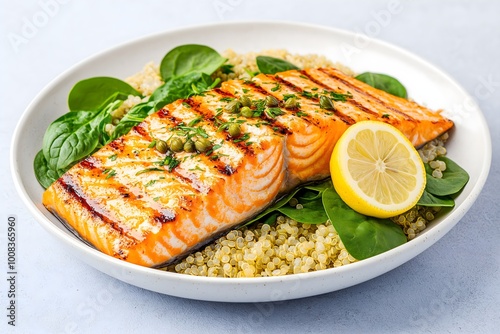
(430, 237)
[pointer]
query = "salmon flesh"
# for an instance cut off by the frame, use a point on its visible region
(137, 204)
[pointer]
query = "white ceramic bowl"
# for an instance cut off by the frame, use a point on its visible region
(470, 146)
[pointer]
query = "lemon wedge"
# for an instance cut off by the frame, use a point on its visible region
(376, 170)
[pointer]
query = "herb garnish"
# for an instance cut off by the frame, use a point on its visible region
(245, 137)
(150, 183)
(170, 161)
(195, 121)
(273, 112)
(109, 173)
(147, 170)
(309, 94)
(339, 96)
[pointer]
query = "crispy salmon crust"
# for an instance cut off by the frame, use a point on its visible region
(134, 203)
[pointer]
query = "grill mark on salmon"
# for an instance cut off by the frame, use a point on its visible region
(345, 118)
(141, 131)
(257, 89)
(281, 82)
(210, 157)
(150, 214)
(349, 109)
(348, 100)
(96, 210)
(117, 144)
(368, 95)
(222, 92)
(196, 104)
(159, 214)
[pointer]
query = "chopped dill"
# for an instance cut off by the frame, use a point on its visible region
(150, 183)
(148, 170)
(245, 137)
(273, 112)
(109, 173)
(152, 144)
(276, 87)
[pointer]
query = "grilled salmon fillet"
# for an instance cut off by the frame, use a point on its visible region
(137, 204)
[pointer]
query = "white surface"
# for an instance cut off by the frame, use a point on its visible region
(452, 287)
(377, 57)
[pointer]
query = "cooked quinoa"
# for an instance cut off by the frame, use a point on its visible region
(147, 80)
(286, 247)
(119, 112)
(245, 63)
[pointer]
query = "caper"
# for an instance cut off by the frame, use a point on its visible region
(233, 107)
(245, 101)
(291, 103)
(246, 112)
(161, 146)
(189, 146)
(271, 101)
(325, 102)
(202, 145)
(234, 130)
(176, 144)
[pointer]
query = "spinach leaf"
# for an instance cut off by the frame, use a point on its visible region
(43, 173)
(320, 187)
(204, 83)
(429, 199)
(270, 218)
(227, 68)
(308, 195)
(453, 180)
(73, 136)
(271, 65)
(363, 236)
(312, 211)
(384, 82)
(189, 59)
(95, 93)
(133, 117)
(183, 87)
(271, 210)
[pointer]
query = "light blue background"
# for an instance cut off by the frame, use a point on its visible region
(454, 287)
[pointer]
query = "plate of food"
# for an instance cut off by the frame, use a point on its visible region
(250, 161)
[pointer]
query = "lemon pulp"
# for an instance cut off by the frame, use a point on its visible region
(376, 170)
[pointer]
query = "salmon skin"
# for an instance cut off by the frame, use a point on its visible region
(137, 204)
